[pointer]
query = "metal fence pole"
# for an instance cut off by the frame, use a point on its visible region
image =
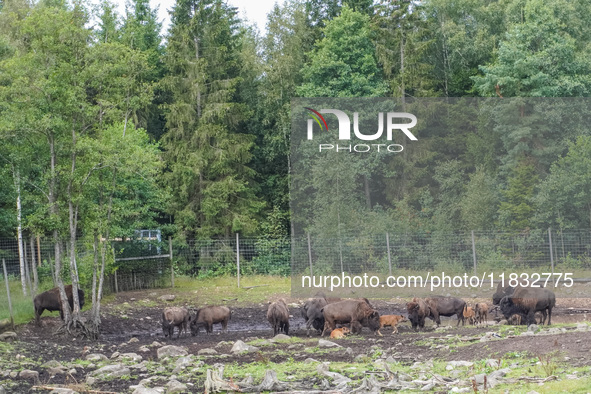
(310, 254)
(238, 258)
(389, 257)
(474, 251)
(8, 294)
(171, 263)
(551, 254)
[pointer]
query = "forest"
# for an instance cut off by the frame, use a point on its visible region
(109, 124)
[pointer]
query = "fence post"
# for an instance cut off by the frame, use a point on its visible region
(389, 257)
(310, 254)
(238, 258)
(171, 263)
(473, 251)
(551, 254)
(8, 294)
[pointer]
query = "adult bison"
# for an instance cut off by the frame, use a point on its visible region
(446, 306)
(312, 313)
(504, 290)
(50, 300)
(172, 317)
(208, 316)
(278, 316)
(417, 310)
(526, 301)
(358, 313)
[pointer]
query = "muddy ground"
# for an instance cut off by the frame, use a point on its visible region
(130, 317)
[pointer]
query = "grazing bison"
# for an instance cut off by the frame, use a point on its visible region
(278, 316)
(209, 316)
(358, 313)
(50, 300)
(446, 306)
(417, 310)
(312, 313)
(526, 301)
(174, 317)
(481, 310)
(392, 321)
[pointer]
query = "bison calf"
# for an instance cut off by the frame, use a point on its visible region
(174, 317)
(50, 300)
(338, 333)
(481, 310)
(209, 316)
(278, 316)
(469, 314)
(392, 321)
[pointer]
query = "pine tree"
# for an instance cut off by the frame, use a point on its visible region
(206, 150)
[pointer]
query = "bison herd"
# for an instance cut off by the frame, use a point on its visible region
(518, 304)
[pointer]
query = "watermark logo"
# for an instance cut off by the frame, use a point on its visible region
(392, 121)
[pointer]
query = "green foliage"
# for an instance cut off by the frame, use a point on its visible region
(516, 211)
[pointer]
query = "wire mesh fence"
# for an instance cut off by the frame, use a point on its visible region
(148, 263)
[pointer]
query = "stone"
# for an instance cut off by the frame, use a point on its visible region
(499, 373)
(167, 297)
(527, 333)
(4, 324)
(174, 386)
(280, 337)
(183, 362)
(52, 364)
(62, 390)
(533, 328)
(459, 390)
(143, 349)
(8, 336)
(207, 351)
(240, 347)
(455, 364)
(428, 387)
(53, 371)
(146, 390)
(310, 361)
(115, 355)
(133, 340)
(110, 372)
(327, 344)
(29, 374)
(171, 351)
(130, 356)
(492, 363)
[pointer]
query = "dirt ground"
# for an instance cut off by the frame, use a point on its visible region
(128, 317)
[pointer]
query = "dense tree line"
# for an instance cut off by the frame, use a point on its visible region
(109, 124)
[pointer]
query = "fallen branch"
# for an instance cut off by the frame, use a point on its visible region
(252, 287)
(51, 388)
(539, 380)
(229, 299)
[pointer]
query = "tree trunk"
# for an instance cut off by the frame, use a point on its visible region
(34, 266)
(19, 230)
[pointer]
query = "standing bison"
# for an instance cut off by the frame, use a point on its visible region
(278, 316)
(526, 301)
(358, 313)
(209, 316)
(312, 313)
(50, 300)
(446, 306)
(174, 317)
(417, 310)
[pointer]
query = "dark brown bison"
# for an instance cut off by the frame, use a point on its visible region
(526, 301)
(209, 316)
(50, 300)
(312, 311)
(278, 316)
(358, 313)
(172, 317)
(417, 310)
(446, 306)
(504, 291)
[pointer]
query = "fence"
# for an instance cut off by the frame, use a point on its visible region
(140, 264)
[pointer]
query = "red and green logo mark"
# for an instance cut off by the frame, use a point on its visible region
(316, 115)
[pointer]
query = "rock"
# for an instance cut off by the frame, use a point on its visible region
(115, 355)
(132, 356)
(280, 337)
(174, 386)
(156, 344)
(143, 349)
(110, 372)
(349, 352)
(492, 363)
(171, 351)
(207, 351)
(146, 390)
(167, 297)
(52, 364)
(8, 336)
(182, 363)
(533, 328)
(53, 371)
(62, 390)
(582, 327)
(240, 347)
(428, 387)
(133, 340)
(4, 324)
(527, 333)
(489, 336)
(455, 364)
(459, 390)
(29, 374)
(310, 361)
(90, 381)
(499, 373)
(325, 343)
